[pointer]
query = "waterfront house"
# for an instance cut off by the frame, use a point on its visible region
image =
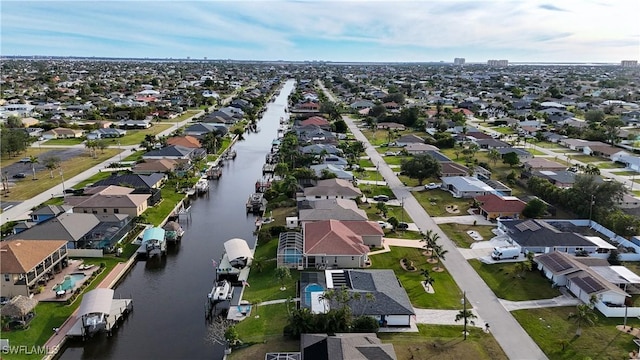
(391, 306)
(187, 141)
(339, 244)
(175, 152)
(319, 149)
(201, 129)
(336, 170)
(318, 121)
(348, 346)
(110, 200)
(164, 166)
(337, 209)
(332, 189)
(27, 264)
(41, 214)
(136, 181)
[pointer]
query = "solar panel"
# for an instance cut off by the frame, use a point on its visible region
(589, 285)
(556, 263)
(594, 284)
(522, 226)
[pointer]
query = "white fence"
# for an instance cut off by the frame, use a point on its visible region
(618, 312)
(611, 237)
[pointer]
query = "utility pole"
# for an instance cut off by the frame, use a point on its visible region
(591, 201)
(464, 313)
(62, 176)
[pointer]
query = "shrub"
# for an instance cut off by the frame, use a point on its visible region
(365, 324)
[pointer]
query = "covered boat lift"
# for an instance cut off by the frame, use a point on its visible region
(99, 301)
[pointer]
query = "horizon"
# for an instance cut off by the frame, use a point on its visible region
(529, 31)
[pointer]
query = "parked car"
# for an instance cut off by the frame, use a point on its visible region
(20, 176)
(384, 224)
(25, 160)
(431, 186)
(402, 226)
(383, 198)
(390, 153)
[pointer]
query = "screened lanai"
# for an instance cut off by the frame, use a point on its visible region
(290, 249)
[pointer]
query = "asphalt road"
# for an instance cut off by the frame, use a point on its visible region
(515, 342)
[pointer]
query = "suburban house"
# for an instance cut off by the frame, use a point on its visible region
(419, 148)
(314, 135)
(337, 209)
(106, 133)
(329, 244)
(175, 152)
(523, 154)
(390, 126)
(110, 200)
(136, 181)
(562, 179)
(337, 170)
(391, 306)
(540, 237)
(348, 346)
(405, 140)
(41, 214)
(164, 166)
(332, 189)
(491, 144)
(465, 186)
(321, 149)
(201, 129)
(81, 231)
(27, 264)
(542, 164)
(578, 144)
(187, 141)
(62, 133)
(449, 168)
(134, 124)
(493, 206)
(605, 151)
(630, 161)
(318, 121)
(362, 104)
(609, 286)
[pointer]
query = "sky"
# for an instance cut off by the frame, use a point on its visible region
(303, 30)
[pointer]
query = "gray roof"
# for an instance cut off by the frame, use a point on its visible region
(336, 209)
(136, 181)
(351, 346)
(171, 151)
(390, 296)
(96, 301)
(518, 151)
(51, 210)
(68, 226)
(539, 233)
(559, 176)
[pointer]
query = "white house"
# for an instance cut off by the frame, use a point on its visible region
(465, 186)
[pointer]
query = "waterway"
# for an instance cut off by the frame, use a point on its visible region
(168, 318)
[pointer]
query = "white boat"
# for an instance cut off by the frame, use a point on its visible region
(221, 291)
(202, 186)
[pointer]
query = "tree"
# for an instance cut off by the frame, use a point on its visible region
(428, 279)
(511, 159)
(438, 253)
(522, 267)
(283, 274)
(494, 156)
(33, 160)
(614, 257)
(101, 144)
(382, 208)
(14, 122)
(430, 239)
(13, 141)
(584, 316)
(534, 209)
(91, 145)
(365, 324)
(340, 126)
(467, 316)
(421, 167)
(612, 129)
(51, 163)
(594, 116)
(258, 264)
(239, 132)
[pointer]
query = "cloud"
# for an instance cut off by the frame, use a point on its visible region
(551, 7)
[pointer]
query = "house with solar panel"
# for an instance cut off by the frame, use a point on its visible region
(610, 286)
(541, 237)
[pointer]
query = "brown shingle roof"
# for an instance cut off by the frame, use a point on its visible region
(20, 256)
(494, 203)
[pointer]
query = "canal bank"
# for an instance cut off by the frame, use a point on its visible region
(169, 295)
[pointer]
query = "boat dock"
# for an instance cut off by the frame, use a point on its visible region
(119, 309)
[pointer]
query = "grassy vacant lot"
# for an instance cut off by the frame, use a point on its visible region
(547, 145)
(535, 152)
(624, 173)
(435, 201)
(395, 160)
(373, 190)
(182, 117)
(392, 211)
(135, 137)
(555, 334)
(369, 175)
(458, 233)
(52, 314)
(611, 165)
(503, 130)
(506, 284)
(585, 158)
(366, 163)
(444, 342)
(95, 178)
(28, 188)
(447, 293)
(66, 142)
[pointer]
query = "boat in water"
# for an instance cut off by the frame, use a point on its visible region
(173, 231)
(202, 186)
(221, 291)
(256, 203)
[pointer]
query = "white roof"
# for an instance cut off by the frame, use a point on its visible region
(599, 242)
(617, 274)
(96, 301)
(467, 183)
(237, 249)
(626, 274)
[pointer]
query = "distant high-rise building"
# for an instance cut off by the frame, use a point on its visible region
(498, 62)
(629, 63)
(458, 61)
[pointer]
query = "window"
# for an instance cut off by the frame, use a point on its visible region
(116, 211)
(6, 277)
(104, 210)
(94, 211)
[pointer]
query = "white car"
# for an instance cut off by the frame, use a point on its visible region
(384, 224)
(431, 186)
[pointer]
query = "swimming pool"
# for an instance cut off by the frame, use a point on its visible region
(309, 289)
(69, 282)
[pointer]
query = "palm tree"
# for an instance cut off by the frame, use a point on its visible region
(431, 239)
(33, 160)
(591, 169)
(522, 267)
(466, 315)
(51, 163)
(282, 273)
(584, 316)
(428, 279)
(438, 253)
(91, 145)
(494, 156)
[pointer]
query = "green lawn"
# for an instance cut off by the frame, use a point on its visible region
(70, 141)
(447, 294)
(136, 156)
(547, 145)
(135, 137)
(95, 178)
(585, 158)
(372, 190)
(369, 175)
(263, 285)
(625, 173)
(535, 152)
(366, 163)
(458, 233)
(506, 284)
(435, 202)
(503, 130)
(180, 118)
(444, 343)
(392, 211)
(170, 198)
(610, 165)
(550, 329)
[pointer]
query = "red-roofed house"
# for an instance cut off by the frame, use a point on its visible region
(339, 244)
(391, 105)
(186, 141)
(468, 113)
(317, 121)
(493, 206)
(311, 106)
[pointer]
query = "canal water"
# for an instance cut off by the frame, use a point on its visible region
(168, 318)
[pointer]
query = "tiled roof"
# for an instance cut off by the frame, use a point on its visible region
(495, 203)
(333, 237)
(186, 141)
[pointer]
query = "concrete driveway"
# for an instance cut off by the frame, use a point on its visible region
(463, 219)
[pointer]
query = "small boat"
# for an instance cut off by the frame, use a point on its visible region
(202, 186)
(256, 203)
(221, 291)
(173, 231)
